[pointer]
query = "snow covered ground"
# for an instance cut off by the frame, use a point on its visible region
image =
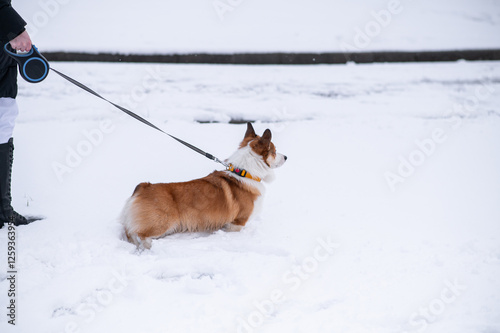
(151, 26)
(385, 217)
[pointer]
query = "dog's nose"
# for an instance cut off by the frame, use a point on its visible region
(285, 157)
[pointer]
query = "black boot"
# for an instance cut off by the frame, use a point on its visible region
(7, 213)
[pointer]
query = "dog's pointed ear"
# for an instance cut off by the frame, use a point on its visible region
(250, 133)
(266, 137)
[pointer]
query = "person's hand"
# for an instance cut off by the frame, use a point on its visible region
(22, 42)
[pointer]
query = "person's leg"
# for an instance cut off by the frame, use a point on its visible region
(8, 114)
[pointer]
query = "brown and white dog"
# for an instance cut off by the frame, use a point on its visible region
(223, 199)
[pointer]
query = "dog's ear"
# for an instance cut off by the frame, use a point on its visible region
(250, 133)
(266, 137)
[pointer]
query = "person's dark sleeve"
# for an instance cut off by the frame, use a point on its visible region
(11, 23)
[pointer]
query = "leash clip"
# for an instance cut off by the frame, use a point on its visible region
(222, 162)
(33, 66)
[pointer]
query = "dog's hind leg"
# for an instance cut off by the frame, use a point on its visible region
(145, 242)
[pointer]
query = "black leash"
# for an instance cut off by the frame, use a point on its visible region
(34, 68)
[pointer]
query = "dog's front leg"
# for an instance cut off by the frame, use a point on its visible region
(230, 227)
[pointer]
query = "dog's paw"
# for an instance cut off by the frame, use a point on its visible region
(229, 227)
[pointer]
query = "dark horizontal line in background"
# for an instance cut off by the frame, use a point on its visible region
(279, 58)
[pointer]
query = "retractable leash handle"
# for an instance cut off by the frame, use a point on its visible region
(33, 66)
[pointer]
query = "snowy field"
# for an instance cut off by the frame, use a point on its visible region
(152, 26)
(385, 217)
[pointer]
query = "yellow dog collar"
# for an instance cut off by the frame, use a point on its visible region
(242, 173)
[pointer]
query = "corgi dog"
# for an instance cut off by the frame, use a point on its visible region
(221, 200)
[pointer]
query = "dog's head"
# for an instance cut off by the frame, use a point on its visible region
(262, 147)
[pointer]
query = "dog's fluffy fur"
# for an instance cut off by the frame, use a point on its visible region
(219, 200)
